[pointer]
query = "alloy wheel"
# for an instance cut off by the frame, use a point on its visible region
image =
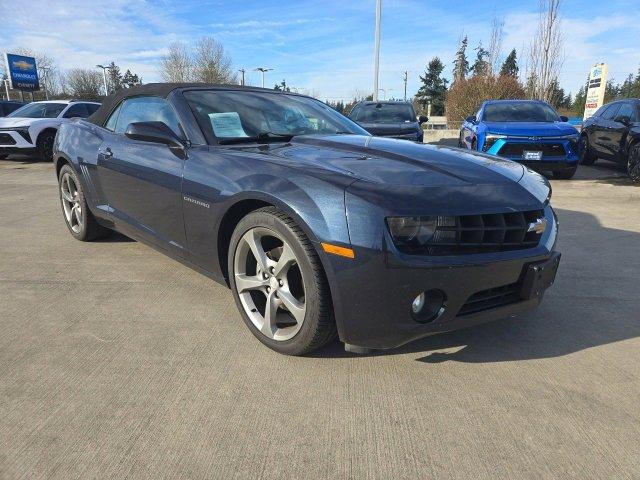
(269, 283)
(633, 164)
(71, 202)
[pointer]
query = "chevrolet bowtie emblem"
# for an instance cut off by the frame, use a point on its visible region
(539, 226)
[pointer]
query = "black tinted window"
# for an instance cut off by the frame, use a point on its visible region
(611, 111)
(92, 107)
(147, 109)
(519, 112)
(385, 113)
(77, 110)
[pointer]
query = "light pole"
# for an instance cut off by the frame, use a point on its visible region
(263, 70)
(376, 55)
(242, 71)
(104, 77)
(406, 74)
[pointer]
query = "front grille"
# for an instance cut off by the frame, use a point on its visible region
(516, 149)
(468, 234)
(6, 139)
(491, 298)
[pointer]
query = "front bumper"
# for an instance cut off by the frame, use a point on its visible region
(15, 141)
(558, 153)
(372, 298)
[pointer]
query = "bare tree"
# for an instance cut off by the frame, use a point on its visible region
(207, 62)
(84, 83)
(546, 54)
(495, 44)
(211, 64)
(176, 65)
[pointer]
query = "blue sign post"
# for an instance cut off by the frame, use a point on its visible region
(22, 72)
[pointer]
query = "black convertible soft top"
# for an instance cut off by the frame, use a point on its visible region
(155, 89)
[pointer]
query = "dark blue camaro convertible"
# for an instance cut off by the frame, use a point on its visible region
(316, 226)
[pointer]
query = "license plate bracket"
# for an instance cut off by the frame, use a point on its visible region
(532, 155)
(539, 276)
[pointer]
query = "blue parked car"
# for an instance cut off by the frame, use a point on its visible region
(527, 131)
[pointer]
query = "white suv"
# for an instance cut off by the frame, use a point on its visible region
(32, 128)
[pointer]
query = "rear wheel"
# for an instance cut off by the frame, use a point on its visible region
(587, 157)
(278, 283)
(80, 221)
(633, 163)
(44, 146)
(565, 174)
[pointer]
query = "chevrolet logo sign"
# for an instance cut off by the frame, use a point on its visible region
(534, 139)
(539, 226)
(23, 65)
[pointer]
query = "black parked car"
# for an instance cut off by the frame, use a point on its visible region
(613, 133)
(315, 225)
(389, 119)
(8, 106)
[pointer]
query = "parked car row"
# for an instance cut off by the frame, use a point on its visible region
(31, 128)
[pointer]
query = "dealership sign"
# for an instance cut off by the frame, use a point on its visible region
(595, 91)
(22, 72)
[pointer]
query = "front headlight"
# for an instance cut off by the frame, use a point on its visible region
(413, 232)
(490, 139)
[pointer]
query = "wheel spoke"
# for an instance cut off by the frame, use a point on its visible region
(77, 213)
(269, 326)
(250, 282)
(66, 195)
(285, 261)
(253, 240)
(294, 306)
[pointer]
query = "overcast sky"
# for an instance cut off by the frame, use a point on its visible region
(324, 47)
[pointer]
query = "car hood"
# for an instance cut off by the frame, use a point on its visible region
(12, 122)
(392, 162)
(387, 129)
(533, 129)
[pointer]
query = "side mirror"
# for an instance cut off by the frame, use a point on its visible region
(423, 119)
(623, 119)
(563, 118)
(155, 132)
(471, 119)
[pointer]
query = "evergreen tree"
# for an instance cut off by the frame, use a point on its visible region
(433, 88)
(130, 79)
(461, 64)
(510, 66)
(115, 77)
(282, 86)
(481, 66)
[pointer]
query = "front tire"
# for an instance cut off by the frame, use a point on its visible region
(565, 174)
(278, 283)
(77, 216)
(633, 163)
(44, 146)
(587, 157)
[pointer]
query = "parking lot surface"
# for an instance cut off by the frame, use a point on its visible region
(117, 362)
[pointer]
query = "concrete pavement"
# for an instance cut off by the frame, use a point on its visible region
(117, 362)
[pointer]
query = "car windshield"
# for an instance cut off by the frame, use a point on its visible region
(260, 115)
(385, 113)
(39, 110)
(519, 112)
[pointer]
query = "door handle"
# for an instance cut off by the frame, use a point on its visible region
(107, 153)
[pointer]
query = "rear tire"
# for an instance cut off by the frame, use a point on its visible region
(77, 216)
(633, 163)
(565, 174)
(288, 278)
(587, 157)
(44, 146)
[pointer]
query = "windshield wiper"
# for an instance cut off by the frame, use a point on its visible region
(262, 137)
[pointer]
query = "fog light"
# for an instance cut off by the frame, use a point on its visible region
(428, 306)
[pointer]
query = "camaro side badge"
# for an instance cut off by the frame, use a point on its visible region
(197, 202)
(539, 226)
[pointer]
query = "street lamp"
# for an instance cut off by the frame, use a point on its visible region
(263, 70)
(104, 77)
(242, 71)
(376, 55)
